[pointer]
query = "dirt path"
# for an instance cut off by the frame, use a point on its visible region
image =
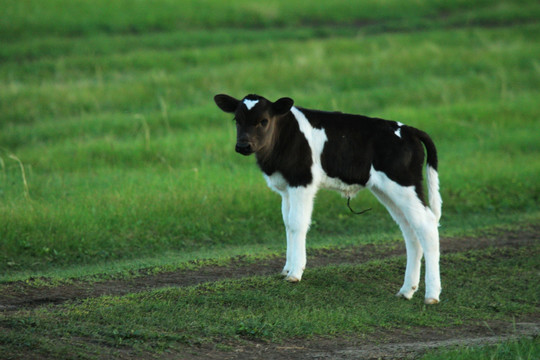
(389, 345)
(384, 344)
(19, 295)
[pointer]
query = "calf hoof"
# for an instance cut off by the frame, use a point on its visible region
(431, 301)
(284, 272)
(292, 279)
(402, 295)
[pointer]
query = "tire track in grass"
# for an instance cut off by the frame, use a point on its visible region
(384, 343)
(387, 344)
(18, 295)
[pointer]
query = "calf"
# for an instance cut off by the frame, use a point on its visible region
(301, 150)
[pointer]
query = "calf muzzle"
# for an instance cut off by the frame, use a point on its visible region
(244, 148)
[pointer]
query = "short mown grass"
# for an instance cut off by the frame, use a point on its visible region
(522, 349)
(126, 156)
(349, 300)
(113, 158)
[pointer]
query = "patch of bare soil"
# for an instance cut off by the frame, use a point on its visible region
(385, 344)
(389, 344)
(19, 295)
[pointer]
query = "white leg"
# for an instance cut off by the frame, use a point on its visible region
(430, 244)
(425, 225)
(285, 212)
(414, 250)
(412, 271)
(299, 218)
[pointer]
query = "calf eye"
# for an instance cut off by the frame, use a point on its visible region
(264, 122)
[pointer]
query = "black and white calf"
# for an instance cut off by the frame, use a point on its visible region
(301, 150)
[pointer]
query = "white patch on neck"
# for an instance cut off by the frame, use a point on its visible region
(398, 131)
(316, 139)
(250, 103)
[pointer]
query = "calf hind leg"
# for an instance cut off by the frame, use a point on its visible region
(412, 244)
(425, 225)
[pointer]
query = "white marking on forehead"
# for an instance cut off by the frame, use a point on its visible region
(398, 131)
(250, 103)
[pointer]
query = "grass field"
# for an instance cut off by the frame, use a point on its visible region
(114, 158)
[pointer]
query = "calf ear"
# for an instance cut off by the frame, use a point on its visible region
(282, 106)
(226, 103)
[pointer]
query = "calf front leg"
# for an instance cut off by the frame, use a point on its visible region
(285, 212)
(297, 224)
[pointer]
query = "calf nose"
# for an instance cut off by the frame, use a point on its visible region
(243, 148)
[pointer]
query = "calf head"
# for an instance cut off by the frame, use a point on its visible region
(256, 120)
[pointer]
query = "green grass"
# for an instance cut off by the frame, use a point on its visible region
(350, 300)
(113, 159)
(126, 156)
(86, 18)
(522, 349)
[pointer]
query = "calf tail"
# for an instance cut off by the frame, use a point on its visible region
(435, 200)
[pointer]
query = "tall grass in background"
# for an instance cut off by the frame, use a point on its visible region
(111, 146)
